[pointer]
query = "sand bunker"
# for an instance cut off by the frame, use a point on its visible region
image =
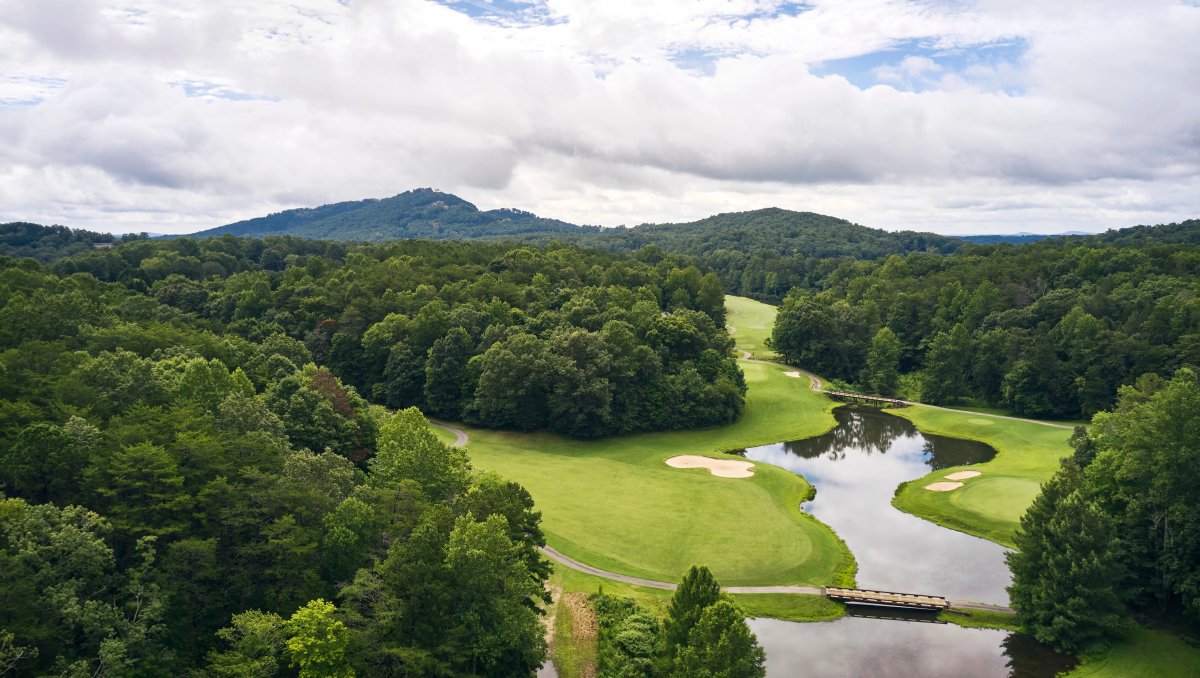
(943, 487)
(962, 475)
(794, 375)
(723, 468)
(980, 422)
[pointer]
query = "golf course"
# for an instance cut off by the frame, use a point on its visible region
(617, 505)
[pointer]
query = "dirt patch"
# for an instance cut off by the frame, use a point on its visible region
(943, 487)
(963, 475)
(722, 468)
(793, 375)
(551, 612)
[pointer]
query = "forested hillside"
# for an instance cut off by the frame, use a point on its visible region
(192, 470)
(420, 213)
(1047, 329)
(47, 243)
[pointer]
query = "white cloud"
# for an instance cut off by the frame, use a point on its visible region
(141, 114)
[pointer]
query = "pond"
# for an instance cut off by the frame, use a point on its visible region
(863, 647)
(855, 469)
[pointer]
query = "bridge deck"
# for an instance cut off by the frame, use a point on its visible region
(864, 398)
(865, 597)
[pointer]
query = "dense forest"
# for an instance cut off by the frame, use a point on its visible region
(501, 335)
(47, 243)
(1049, 329)
(1117, 530)
(199, 471)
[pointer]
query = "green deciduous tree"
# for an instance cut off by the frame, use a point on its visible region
(316, 642)
(883, 362)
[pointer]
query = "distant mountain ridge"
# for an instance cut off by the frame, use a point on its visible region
(419, 213)
(428, 213)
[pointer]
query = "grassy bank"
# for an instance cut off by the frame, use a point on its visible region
(990, 505)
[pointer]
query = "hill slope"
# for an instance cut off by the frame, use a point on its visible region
(773, 230)
(420, 213)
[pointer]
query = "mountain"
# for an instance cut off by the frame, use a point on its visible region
(772, 230)
(420, 213)
(427, 213)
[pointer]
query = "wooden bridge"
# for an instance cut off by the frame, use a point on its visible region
(863, 399)
(887, 599)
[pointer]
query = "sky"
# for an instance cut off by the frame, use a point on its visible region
(953, 116)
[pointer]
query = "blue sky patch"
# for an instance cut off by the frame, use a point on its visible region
(504, 12)
(980, 64)
(210, 90)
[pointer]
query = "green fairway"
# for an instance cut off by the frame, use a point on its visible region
(1146, 653)
(616, 505)
(752, 321)
(990, 505)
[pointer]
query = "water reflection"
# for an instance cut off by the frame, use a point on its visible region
(856, 468)
(863, 647)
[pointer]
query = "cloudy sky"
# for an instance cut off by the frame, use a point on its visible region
(954, 115)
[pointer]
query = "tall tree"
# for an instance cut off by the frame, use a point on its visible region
(721, 645)
(446, 379)
(1067, 569)
(698, 590)
(883, 362)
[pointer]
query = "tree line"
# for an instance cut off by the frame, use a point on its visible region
(583, 343)
(1049, 329)
(1117, 530)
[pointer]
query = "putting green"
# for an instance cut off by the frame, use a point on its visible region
(616, 505)
(991, 505)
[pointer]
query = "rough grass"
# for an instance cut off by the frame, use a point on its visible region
(1145, 653)
(573, 652)
(990, 505)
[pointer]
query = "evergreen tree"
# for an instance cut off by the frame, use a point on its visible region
(1067, 568)
(721, 645)
(698, 590)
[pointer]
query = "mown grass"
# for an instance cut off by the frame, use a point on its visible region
(616, 505)
(753, 322)
(990, 505)
(1145, 653)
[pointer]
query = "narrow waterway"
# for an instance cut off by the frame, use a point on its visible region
(855, 469)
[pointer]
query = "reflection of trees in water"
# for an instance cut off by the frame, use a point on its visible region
(1028, 658)
(865, 429)
(875, 432)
